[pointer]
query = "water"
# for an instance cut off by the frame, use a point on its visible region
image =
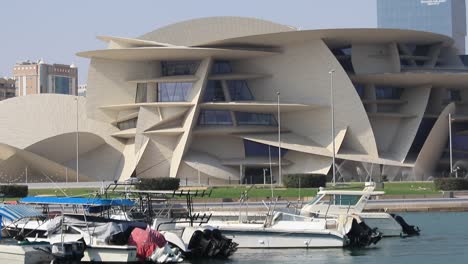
(443, 240)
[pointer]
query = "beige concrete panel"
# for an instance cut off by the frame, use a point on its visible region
(172, 53)
(40, 169)
(339, 138)
(306, 163)
(225, 130)
(156, 159)
(449, 58)
(56, 119)
(338, 37)
(147, 118)
(436, 101)
(191, 177)
(260, 106)
(301, 74)
(434, 52)
(209, 165)
(222, 147)
(452, 78)
(433, 146)
(200, 30)
(385, 130)
(191, 118)
(375, 58)
(129, 160)
(107, 84)
(417, 102)
(119, 42)
(290, 141)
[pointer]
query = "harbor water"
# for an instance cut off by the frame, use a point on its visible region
(443, 240)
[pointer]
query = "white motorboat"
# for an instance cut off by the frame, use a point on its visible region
(329, 203)
(284, 230)
(13, 253)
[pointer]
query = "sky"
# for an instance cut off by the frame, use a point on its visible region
(55, 30)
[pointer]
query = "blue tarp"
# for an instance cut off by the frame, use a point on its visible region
(14, 212)
(77, 201)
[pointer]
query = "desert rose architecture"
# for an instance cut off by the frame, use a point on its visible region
(199, 100)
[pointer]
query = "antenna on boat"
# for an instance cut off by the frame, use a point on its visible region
(56, 186)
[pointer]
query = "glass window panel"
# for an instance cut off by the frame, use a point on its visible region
(215, 117)
(214, 92)
(221, 67)
(244, 118)
(255, 149)
(239, 90)
(141, 93)
(384, 92)
(62, 85)
(173, 68)
(127, 124)
(174, 92)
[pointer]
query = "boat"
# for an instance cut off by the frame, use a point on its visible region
(106, 240)
(329, 203)
(286, 230)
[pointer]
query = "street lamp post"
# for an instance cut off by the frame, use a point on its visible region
(450, 143)
(77, 142)
(280, 174)
(332, 123)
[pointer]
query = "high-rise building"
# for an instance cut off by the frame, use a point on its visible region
(7, 88)
(447, 17)
(82, 90)
(39, 77)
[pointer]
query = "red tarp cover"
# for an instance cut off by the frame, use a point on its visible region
(146, 241)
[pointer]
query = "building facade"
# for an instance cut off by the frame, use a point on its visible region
(206, 100)
(446, 17)
(7, 88)
(39, 77)
(82, 89)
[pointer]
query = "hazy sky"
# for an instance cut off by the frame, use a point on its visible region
(56, 30)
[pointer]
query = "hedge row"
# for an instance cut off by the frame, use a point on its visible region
(159, 184)
(14, 190)
(451, 184)
(306, 180)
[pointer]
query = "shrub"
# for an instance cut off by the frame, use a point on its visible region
(451, 184)
(307, 180)
(14, 190)
(159, 184)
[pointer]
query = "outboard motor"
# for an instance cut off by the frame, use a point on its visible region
(210, 243)
(409, 230)
(361, 235)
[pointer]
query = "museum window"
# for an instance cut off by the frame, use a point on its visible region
(221, 67)
(215, 117)
(141, 93)
(239, 90)
(173, 92)
(174, 68)
(244, 118)
(255, 149)
(132, 123)
(385, 92)
(454, 95)
(214, 92)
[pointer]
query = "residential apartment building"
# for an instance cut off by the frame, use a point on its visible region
(39, 77)
(447, 17)
(7, 88)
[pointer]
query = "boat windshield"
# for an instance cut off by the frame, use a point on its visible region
(336, 199)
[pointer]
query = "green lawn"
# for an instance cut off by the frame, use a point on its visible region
(260, 191)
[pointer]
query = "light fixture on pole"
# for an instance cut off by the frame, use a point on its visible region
(332, 123)
(280, 175)
(77, 141)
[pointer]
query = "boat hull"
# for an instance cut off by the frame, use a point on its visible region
(110, 254)
(20, 254)
(277, 239)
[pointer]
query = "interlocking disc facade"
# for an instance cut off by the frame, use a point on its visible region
(198, 100)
